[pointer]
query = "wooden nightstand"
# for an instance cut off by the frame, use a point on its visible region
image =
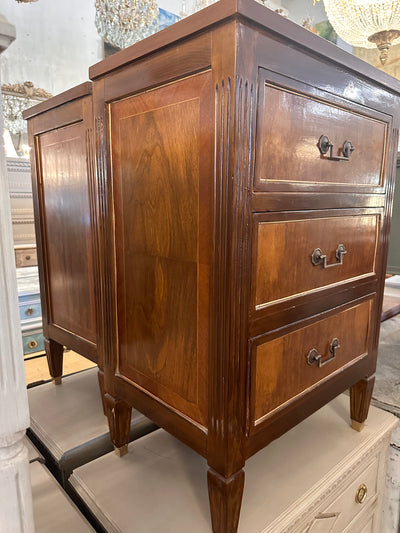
(238, 218)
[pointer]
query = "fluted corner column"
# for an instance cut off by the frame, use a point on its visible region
(16, 515)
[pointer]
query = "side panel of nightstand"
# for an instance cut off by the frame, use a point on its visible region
(60, 133)
(162, 198)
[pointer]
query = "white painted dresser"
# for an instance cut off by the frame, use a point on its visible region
(307, 481)
(20, 188)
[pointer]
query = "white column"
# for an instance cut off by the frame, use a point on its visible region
(16, 514)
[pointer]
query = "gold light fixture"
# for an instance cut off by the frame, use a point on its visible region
(16, 98)
(124, 22)
(26, 1)
(366, 23)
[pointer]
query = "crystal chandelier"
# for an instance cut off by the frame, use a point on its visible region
(16, 98)
(366, 23)
(124, 22)
(201, 4)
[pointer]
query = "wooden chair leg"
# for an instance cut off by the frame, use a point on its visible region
(119, 415)
(225, 500)
(100, 376)
(55, 355)
(360, 399)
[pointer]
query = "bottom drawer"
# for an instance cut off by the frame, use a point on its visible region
(33, 341)
(296, 360)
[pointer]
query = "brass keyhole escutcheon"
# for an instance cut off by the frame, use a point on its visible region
(29, 311)
(361, 494)
(32, 344)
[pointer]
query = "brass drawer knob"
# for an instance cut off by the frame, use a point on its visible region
(29, 311)
(361, 494)
(32, 344)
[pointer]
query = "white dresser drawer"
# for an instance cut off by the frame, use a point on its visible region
(355, 497)
(351, 502)
(330, 505)
(369, 527)
(329, 523)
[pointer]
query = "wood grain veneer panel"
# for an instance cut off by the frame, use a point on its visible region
(284, 248)
(67, 230)
(162, 242)
(290, 127)
(280, 366)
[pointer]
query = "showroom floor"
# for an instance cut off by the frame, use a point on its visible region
(37, 370)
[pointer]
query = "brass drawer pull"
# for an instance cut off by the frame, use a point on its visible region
(325, 145)
(29, 311)
(32, 344)
(318, 257)
(361, 494)
(314, 357)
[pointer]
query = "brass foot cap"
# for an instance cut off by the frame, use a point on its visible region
(121, 451)
(57, 380)
(358, 426)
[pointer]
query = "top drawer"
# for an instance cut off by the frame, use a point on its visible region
(293, 121)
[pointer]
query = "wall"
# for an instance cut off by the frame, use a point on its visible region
(298, 11)
(56, 42)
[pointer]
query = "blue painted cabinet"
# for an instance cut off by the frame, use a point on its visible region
(30, 311)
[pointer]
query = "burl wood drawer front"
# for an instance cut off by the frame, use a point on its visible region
(160, 151)
(290, 125)
(288, 365)
(289, 254)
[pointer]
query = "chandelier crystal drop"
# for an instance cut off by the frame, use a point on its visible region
(366, 23)
(124, 22)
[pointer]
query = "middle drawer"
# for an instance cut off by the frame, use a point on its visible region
(299, 252)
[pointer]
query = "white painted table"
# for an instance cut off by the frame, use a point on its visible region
(68, 420)
(33, 452)
(53, 510)
(306, 481)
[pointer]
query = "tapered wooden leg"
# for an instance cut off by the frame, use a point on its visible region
(225, 500)
(54, 354)
(119, 415)
(100, 376)
(360, 399)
